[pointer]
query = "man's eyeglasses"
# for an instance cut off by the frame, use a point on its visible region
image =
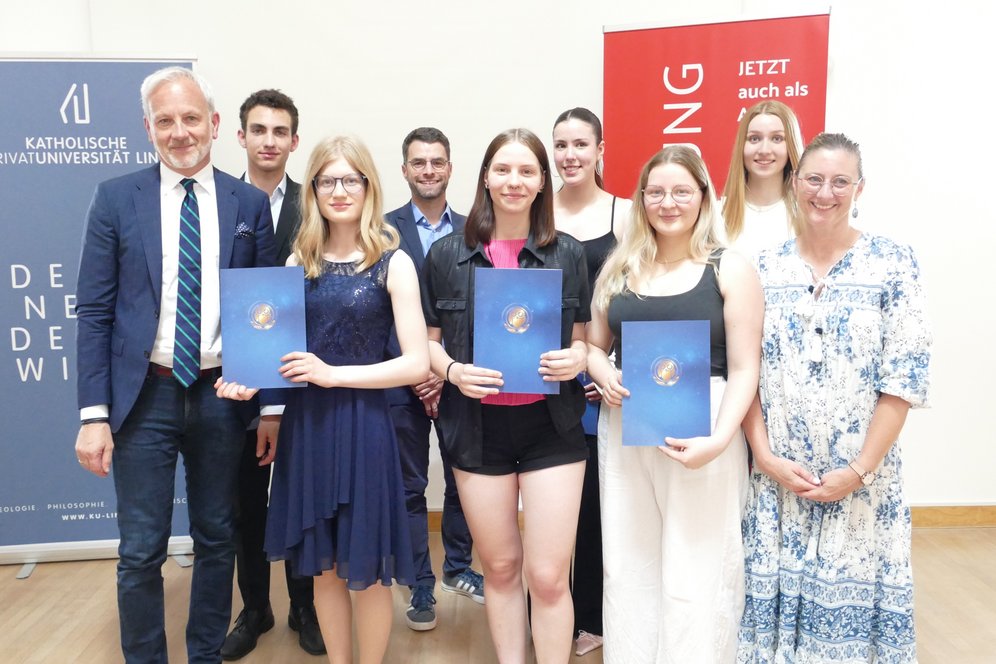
(420, 164)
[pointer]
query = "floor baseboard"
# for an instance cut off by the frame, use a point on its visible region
(951, 516)
(954, 516)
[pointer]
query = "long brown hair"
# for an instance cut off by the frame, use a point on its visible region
(590, 119)
(481, 218)
(735, 191)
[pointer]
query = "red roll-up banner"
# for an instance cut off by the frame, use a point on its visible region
(691, 84)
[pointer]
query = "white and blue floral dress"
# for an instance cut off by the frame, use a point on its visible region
(832, 582)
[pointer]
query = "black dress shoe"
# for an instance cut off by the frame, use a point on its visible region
(302, 619)
(248, 626)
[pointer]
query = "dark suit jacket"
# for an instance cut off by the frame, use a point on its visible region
(403, 222)
(120, 279)
(289, 221)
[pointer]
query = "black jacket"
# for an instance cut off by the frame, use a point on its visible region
(448, 303)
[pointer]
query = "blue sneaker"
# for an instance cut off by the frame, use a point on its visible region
(468, 583)
(421, 616)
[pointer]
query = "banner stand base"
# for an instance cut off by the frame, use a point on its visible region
(26, 570)
(53, 552)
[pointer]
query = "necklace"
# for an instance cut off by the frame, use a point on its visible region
(665, 262)
(762, 208)
(667, 265)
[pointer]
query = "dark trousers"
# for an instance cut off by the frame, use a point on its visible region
(587, 581)
(251, 562)
(411, 426)
(166, 421)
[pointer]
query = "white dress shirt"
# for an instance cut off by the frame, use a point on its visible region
(276, 200)
(172, 194)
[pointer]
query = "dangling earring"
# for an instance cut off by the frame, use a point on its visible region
(485, 184)
(854, 211)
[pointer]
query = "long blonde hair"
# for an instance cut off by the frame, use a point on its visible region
(634, 256)
(373, 238)
(735, 191)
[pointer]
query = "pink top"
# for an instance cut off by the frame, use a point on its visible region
(505, 254)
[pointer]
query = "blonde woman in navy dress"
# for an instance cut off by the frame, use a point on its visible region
(337, 509)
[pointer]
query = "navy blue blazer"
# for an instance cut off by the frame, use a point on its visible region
(120, 280)
(411, 244)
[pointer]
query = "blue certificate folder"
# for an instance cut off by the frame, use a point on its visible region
(666, 370)
(517, 319)
(262, 319)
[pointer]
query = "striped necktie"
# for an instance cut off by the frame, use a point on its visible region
(187, 343)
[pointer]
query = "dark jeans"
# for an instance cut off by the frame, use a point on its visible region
(411, 426)
(251, 562)
(168, 420)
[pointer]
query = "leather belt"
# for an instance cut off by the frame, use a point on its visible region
(167, 372)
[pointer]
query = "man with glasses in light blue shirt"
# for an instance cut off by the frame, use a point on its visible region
(420, 222)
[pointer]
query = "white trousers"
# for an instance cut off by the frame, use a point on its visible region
(672, 549)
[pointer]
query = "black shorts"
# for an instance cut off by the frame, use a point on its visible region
(518, 439)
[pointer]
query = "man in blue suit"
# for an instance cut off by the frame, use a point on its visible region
(147, 300)
(420, 222)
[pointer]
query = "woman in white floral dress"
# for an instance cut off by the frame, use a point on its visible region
(845, 355)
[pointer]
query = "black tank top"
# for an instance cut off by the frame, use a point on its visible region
(703, 302)
(597, 249)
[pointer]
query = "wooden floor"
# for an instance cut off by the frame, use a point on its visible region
(65, 612)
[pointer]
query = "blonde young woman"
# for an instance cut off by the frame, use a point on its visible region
(673, 554)
(337, 508)
(582, 208)
(758, 200)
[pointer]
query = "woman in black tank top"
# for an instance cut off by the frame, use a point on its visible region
(584, 209)
(672, 550)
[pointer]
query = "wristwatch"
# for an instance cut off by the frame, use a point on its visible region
(866, 476)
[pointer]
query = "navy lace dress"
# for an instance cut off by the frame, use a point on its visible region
(337, 497)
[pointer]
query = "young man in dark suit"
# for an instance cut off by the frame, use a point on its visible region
(149, 352)
(268, 133)
(420, 222)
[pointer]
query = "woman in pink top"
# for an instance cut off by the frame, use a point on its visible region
(507, 446)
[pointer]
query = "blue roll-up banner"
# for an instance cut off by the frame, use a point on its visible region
(67, 125)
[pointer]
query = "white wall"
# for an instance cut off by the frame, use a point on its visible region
(377, 69)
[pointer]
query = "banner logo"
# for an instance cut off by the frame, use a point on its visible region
(71, 96)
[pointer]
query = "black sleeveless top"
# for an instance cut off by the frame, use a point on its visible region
(703, 302)
(597, 249)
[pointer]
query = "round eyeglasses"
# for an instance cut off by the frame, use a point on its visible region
(437, 164)
(352, 183)
(839, 185)
(681, 195)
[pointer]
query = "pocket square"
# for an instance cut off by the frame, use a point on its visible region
(242, 230)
